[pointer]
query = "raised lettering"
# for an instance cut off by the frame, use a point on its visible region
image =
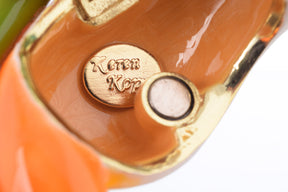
(115, 83)
(97, 62)
(111, 65)
(135, 63)
(118, 64)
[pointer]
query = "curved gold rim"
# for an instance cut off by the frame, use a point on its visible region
(218, 96)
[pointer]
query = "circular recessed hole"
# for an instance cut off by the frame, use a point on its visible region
(171, 98)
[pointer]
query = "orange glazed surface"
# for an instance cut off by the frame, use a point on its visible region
(198, 39)
(36, 155)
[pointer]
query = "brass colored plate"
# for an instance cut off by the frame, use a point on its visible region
(113, 75)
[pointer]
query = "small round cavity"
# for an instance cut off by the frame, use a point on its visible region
(171, 98)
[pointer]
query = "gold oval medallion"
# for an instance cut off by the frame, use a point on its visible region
(114, 74)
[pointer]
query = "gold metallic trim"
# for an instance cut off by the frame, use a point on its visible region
(97, 12)
(206, 119)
